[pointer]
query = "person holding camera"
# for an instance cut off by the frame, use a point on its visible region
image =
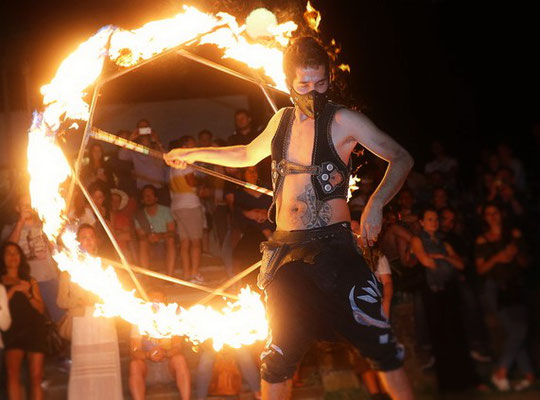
(147, 170)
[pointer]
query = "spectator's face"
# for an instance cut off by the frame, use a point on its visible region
(406, 200)
(12, 257)
(116, 200)
(88, 240)
(430, 222)
(492, 216)
(242, 121)
(440, 198)
(149, 197)
(143, 124)
(251, 175)
(99, 198)
(448, 221)
(190, 143)
(205, 140)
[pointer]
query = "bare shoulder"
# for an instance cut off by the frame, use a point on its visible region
(352, 120)
(357, 127)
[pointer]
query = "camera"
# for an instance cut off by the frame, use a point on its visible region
(145, 131)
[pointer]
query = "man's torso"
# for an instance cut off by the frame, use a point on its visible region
(297, 205)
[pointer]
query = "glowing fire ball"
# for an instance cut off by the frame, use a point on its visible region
(261, 22)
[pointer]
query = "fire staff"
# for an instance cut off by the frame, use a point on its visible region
(316, 281)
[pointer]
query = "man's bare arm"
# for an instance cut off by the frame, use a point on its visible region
(400, 162)
(360, 129)
(230, 156)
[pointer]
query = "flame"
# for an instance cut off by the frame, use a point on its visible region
(353, 181)
(237, 324)
(312, 17)
(345, 67)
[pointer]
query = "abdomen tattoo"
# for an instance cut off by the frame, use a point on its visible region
(318, 213)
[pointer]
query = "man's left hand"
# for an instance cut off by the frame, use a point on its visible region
(370, 223)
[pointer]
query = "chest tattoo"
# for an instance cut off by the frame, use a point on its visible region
(318, 213)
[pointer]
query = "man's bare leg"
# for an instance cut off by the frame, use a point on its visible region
(276, 391)
(396, 384)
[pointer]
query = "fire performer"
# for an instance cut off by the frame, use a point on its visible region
(316, 281)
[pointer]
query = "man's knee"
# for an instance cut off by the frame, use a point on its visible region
(137, 369)
(177, 363)
(275, 367)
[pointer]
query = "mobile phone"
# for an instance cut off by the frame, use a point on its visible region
(145, 131)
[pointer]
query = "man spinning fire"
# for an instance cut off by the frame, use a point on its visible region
(316, 281)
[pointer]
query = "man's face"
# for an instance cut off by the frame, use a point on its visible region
(88, 240)
(205, 140)
(242, 121)
(448, 221)
(143, 124)
(190, 143)
(148, 197)
(307, 79)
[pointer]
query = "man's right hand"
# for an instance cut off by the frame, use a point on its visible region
(179, 158)
(157, 354)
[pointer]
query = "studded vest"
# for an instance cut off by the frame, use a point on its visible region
(329, 174)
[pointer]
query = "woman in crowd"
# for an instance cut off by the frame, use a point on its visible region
(97, 170)
(101, 196)
(95, 369)
(500, 259)
(27, 334)
(122, 210)
(5, 321)
(441, 300)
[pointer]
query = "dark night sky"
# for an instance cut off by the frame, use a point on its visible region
(452, 69)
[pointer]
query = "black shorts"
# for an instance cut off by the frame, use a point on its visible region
(333, 296)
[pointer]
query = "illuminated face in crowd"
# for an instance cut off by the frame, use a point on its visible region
(492, 216)
(448, 220)
(12, 257)
(242, 121)
(149, 197)
(99, 198)
(430, 221)
(88, 240)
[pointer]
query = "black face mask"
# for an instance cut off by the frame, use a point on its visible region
(311, 104)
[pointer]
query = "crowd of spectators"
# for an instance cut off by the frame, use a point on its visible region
(461, 254)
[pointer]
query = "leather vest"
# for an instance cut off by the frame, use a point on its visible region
(329, 174)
